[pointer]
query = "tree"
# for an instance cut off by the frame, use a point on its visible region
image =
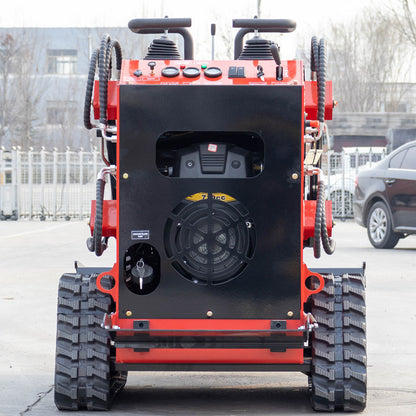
(368, 62)
(20, 89)
(9, 52)
(405, 19)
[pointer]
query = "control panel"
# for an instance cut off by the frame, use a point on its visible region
(256, 72)
(240, 72)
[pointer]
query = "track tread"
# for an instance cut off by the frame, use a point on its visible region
(339, 377)
(84, 378)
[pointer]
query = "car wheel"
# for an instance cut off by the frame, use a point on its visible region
(379, 229)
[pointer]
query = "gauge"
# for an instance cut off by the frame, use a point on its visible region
(170, 72)
(213, 72)
(191, 72)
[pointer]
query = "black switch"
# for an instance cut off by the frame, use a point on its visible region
(241, 72)
(236, 72)
(232, 72)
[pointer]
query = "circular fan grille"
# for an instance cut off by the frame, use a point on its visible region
(210, 241)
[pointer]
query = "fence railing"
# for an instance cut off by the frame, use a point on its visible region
(45, 184)
(60, 185)
(341, 170)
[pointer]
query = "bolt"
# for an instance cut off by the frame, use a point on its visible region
(125, 175)
(290, 314)
(209, 314)
(129, 313)
(295, 176)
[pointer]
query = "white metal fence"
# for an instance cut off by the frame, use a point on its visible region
(47, 185)
(341, 170)
(60, 185)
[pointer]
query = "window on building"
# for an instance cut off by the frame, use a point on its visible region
(60, 112)
(62, 61)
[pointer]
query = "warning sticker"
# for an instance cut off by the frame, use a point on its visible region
(212, 148)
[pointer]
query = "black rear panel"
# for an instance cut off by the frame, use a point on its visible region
(260, 262)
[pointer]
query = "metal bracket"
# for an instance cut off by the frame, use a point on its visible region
(277, 325)
(141, 325)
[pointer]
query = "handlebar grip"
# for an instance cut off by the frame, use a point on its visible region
(166, 23)
(275, 25)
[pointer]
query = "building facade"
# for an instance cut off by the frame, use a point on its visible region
(43, 74)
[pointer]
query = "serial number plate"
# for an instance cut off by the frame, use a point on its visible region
(140, 235)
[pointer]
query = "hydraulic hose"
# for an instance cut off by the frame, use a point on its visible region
(314, 53)
(318, 221)
(321, 232)
(105, 67)
(318, 73)
(99, 246)
(318, 65)
(321, 80)
(117, 49)
(103, 77)
(90, 86)
(327, 242)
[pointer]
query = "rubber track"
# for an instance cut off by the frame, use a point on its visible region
(83, 376)
(339, 360)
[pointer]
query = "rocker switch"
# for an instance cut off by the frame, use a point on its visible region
(236, 72)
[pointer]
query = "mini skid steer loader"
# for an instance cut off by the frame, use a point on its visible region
(216, 182)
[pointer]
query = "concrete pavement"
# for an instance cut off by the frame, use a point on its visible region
(33, 255)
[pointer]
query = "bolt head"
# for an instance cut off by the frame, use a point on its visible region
(129, 313)
(125, 175)
(295, 176)
(209, 314)
(290, 314)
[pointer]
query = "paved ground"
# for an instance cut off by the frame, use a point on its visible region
(33, 255)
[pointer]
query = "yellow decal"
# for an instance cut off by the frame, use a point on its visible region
(204, 195)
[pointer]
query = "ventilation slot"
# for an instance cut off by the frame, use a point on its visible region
(213, 158)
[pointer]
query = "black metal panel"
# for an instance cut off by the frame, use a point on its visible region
(276, 343)
(269, 286)
(304, 368)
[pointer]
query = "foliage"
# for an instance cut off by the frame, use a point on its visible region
(20, 91)
(368, 63)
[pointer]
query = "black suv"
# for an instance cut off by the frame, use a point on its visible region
(385, 197)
